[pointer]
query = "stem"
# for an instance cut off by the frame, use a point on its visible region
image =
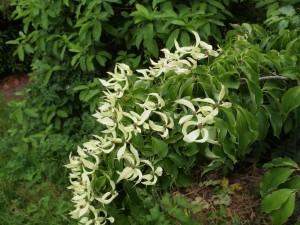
(274, 77)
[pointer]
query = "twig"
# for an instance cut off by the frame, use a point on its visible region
(274, 77)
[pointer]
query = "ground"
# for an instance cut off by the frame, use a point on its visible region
(10, 84)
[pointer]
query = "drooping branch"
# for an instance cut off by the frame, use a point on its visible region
(273, 77)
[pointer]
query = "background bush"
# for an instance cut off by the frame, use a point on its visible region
(69, 43)
(10, 30)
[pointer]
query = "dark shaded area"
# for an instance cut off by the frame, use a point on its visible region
(9, 30)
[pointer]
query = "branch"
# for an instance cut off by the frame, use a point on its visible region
(273, 77)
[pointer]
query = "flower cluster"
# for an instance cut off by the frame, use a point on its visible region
(146, 117)
(182, 61)
(196, 124)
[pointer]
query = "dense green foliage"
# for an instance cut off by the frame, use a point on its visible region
(9, 30)
(280, 203)
(73, 42)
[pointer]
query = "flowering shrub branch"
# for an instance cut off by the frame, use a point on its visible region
(150, 117)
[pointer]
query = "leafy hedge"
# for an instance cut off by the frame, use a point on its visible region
(9, 64)
(72, 42)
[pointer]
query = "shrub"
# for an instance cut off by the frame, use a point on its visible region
(160, 121)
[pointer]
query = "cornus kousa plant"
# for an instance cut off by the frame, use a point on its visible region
(159, 121)
(138, 106)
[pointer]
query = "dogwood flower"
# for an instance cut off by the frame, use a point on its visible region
(131, 173)
(153, 102)
(108, 115)
(83, 196)
(148, 74)
(82, 207)
(97, 220)
(151, 178)
(168, 123)
(195, 51)
(121, 72)
(138, 120)
(204, 110)
(199, 134)
(108, 196)
(219, 98)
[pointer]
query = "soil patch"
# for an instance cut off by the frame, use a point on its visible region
(11, 84)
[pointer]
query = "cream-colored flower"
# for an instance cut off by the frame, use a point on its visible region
(121, 72)
(199, 133)
(97, 220)
(167, 123)
(131, 172)
(192, 112)
(151, 178)
(137, 121)
(153, 102)
(110, 195)
(219, 102)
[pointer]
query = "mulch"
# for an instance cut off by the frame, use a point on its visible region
(10, 84)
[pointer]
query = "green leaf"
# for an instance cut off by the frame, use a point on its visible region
(90, 95)
(256, 95)
(66, 2)
(20, 52)
(108, 8)
(19, 115)
(179, 161)
(292, 183)
(138, 140)
(160, 148)
(273, 178)
(243, 132)
(275, 200)
(149, 40)
(184, 180)
(263, 124)
(292, 72)
(47, 78)
(281, 215)
(216, 4)
(178, 22)
(57, 123)
(142, 9)
(290, 100)
(84, 30)
(50, 117)
(97, 29)
(190, 149)
(100, 59)
(185, 38)
(230, 79)
(281, 162)
(31, 112)
(170, 168)
(156, 2)
(264, 3)
(75, 59)
(172, 37)
(62, 113)
(229, 150)
(80, 87)
(275, 119)
(250, 73)
(186, 88)
(287, 10)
